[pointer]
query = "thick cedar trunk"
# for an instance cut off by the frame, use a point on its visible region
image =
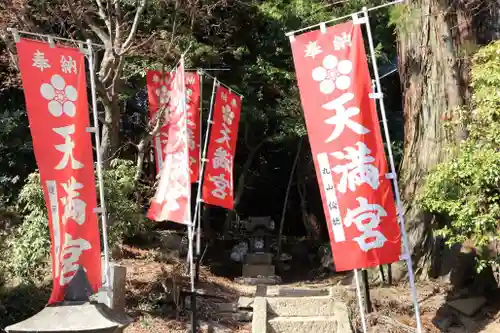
(435, 42)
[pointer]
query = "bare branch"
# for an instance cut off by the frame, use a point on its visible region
(117, 76)
(104, 17)
(105, 38)
(141, 147)
(10, 48)
(76, 19)
(135, 24)
(144, 42)
(118, 23)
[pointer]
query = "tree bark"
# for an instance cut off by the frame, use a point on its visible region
(435, 39)
(240, 188)
(110, 132)
(289, 186)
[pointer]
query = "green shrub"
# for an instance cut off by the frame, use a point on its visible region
(466, 188)
(29, 246)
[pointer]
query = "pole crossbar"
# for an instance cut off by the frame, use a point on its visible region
(51, 37)
(291, 33)
(223, 84)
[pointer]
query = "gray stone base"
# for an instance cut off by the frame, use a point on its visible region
(258, 270)
(269, 281)
(71, 318)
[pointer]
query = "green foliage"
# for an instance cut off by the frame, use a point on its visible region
(16, 151)
(28, 248)
(30, 245)
(126, 217)
(466, 188)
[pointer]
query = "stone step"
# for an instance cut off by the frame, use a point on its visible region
(302, 306)
(318, 324)
(258, 270)
(259, 259)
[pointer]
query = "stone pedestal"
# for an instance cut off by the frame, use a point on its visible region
(114, 294)
(71, 317)
(258, 264)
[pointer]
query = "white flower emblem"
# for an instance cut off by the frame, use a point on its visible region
(227, 114)
(333, 74)
(60, 95)
(163, 93)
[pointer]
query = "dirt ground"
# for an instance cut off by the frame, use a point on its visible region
(154, 304)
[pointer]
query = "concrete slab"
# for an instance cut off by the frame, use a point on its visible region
(301, 306)
(294, 292)
(468, 306)
(307, 325)
(245, 302)
(259, 320)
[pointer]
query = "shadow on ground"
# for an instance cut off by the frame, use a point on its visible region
(21, 302)
(469, 287)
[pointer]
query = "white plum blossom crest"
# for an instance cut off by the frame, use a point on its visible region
(333, 74)
(60, 95)
(227, 114)
(163, 93)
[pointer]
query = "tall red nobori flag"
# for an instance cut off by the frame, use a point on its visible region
(193, 116)
(56, 100)
(172, 200)
(346, 142)
(218, 178)
(159, 86)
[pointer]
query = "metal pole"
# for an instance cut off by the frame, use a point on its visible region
(399, 206)
(200, 175)
(366, 287)
(197, 209)
(99, 164)
(360, 301)
(197, 219)
(15, 31)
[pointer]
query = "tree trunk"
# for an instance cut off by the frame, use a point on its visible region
(435, 39)
(240, 188)
(285, 204)
(110, 132)
(308, 219)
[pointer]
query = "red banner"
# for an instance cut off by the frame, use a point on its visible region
(346, 143)
(159, 89)
(193, 116)
(56, 100)
(172, 200)
(218, 177)
(159, 86)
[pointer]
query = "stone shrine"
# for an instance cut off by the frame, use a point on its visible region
(259, 260)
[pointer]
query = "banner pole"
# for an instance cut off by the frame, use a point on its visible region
(394, 177)
(200, 175)
(197, 209)
(197, 219)
(360, 301)
(99, 164)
